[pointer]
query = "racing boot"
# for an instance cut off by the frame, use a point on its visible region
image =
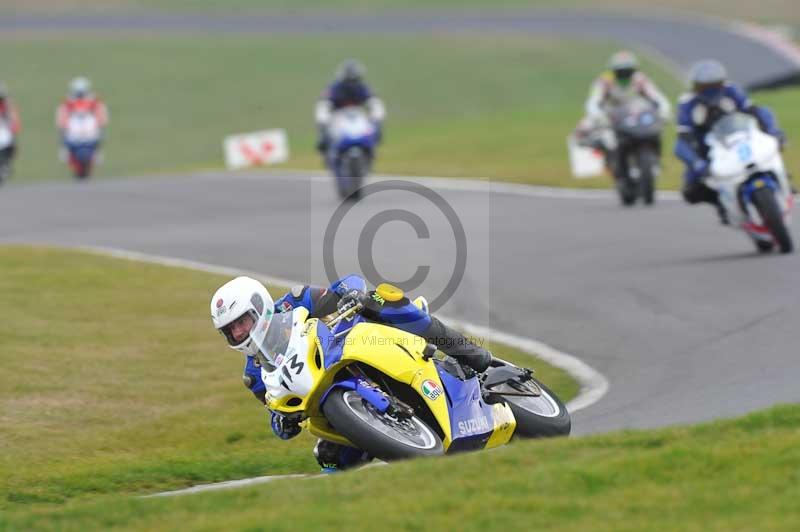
(458, 346)
(333, 457)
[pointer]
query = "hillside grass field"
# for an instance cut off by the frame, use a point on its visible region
(475, 106)
(489, 106)
(767, 11)
(113, 382)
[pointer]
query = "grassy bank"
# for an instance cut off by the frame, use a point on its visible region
(112, 380)
(730, 475)
(767, 11)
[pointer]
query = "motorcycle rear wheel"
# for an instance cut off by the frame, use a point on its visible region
(381, 435)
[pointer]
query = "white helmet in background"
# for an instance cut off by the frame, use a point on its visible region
(235, 299)
(80, 87)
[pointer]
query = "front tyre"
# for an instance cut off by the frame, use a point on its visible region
(383, 436)
(767, 205)
(648, 163)
(626, 190)
(540, 416)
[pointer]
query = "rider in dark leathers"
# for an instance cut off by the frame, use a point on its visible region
(349, 88)
(712, 96)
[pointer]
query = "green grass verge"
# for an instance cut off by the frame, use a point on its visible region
(767, 11)
(112, 380)
(741, 474)
(493, 106)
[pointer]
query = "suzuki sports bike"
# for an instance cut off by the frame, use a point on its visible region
(353, 139)
(6, 143)
(637, 129)
(389, 393)
(748, 173)
(81, 140)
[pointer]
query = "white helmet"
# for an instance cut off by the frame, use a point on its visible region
(80, 87)
(233, 300)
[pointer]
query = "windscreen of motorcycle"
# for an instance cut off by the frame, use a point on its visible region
(284, 348)
(82, 127)
(732, 128)
(6, 137)
(271, 334)
(351, 123)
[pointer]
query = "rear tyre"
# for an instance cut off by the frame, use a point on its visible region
(537, 417)
(767, 205)
(383, 436)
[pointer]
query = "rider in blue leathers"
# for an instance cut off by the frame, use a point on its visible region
(402, 314)
(349, 88)
(712, 96)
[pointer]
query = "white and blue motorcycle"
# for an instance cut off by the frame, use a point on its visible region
(748, 173)
(354, 137)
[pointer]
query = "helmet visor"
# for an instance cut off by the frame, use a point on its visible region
(238, 331)
(710, 92)
(624, 75)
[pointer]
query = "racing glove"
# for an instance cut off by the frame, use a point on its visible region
(350, 299)
(285, 427)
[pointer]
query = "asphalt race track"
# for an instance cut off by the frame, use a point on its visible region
(678, 40)
(684, 318)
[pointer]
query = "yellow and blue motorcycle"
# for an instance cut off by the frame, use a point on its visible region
(391, 394)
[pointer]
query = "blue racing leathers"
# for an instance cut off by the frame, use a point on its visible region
(697, 113)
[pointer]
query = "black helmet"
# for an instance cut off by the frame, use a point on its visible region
(350, 70)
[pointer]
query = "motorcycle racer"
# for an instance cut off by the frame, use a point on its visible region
(241, 302)
(10, 116)
(349, 88)
(80, 99)
(621, 82)
(711, 96)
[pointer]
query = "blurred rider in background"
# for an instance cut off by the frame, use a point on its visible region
(620, 83)
(349, 88)
(711, 97)
(80, 99)
(9, 121)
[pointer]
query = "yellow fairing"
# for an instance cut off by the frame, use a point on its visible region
(504, 425)
(399, 355)
(394, 353)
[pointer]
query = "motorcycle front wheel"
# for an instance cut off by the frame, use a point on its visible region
(770, 211)
(382, 435)
(539, 415)
(648, 162)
